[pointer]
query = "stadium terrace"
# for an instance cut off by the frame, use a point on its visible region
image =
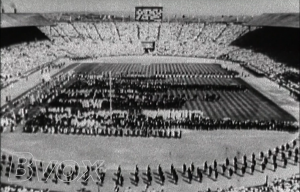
(206, 103)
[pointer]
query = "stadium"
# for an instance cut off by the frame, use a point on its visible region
(150, 100)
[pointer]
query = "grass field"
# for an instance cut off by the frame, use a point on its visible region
(250, 105)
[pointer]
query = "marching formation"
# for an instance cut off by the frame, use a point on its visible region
(83, 105)
(281, 156)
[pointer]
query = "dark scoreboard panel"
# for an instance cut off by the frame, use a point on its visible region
(148, 13)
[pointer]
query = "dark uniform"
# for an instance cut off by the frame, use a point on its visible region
(183, 169)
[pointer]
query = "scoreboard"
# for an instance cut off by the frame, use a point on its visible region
(148, 13)
(148, 44)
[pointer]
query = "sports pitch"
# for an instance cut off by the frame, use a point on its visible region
(194, 146)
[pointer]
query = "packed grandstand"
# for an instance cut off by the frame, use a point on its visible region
(207, 40)
(78, 99)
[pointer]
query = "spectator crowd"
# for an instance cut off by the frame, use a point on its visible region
(98, 39)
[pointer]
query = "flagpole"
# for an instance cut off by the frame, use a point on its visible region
(98, 187)
(110, 101)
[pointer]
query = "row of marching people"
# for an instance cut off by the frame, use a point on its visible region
(168, 74)
(69, 117)
(124, 98)
(281, 156)
(49, 172)
(152, 85)
(271, 159)
(162, 133)
(124, 102)
(6, 187)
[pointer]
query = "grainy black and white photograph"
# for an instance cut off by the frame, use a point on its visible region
(150, 96)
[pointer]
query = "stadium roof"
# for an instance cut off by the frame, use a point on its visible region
(289, 20)
(23, 20)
